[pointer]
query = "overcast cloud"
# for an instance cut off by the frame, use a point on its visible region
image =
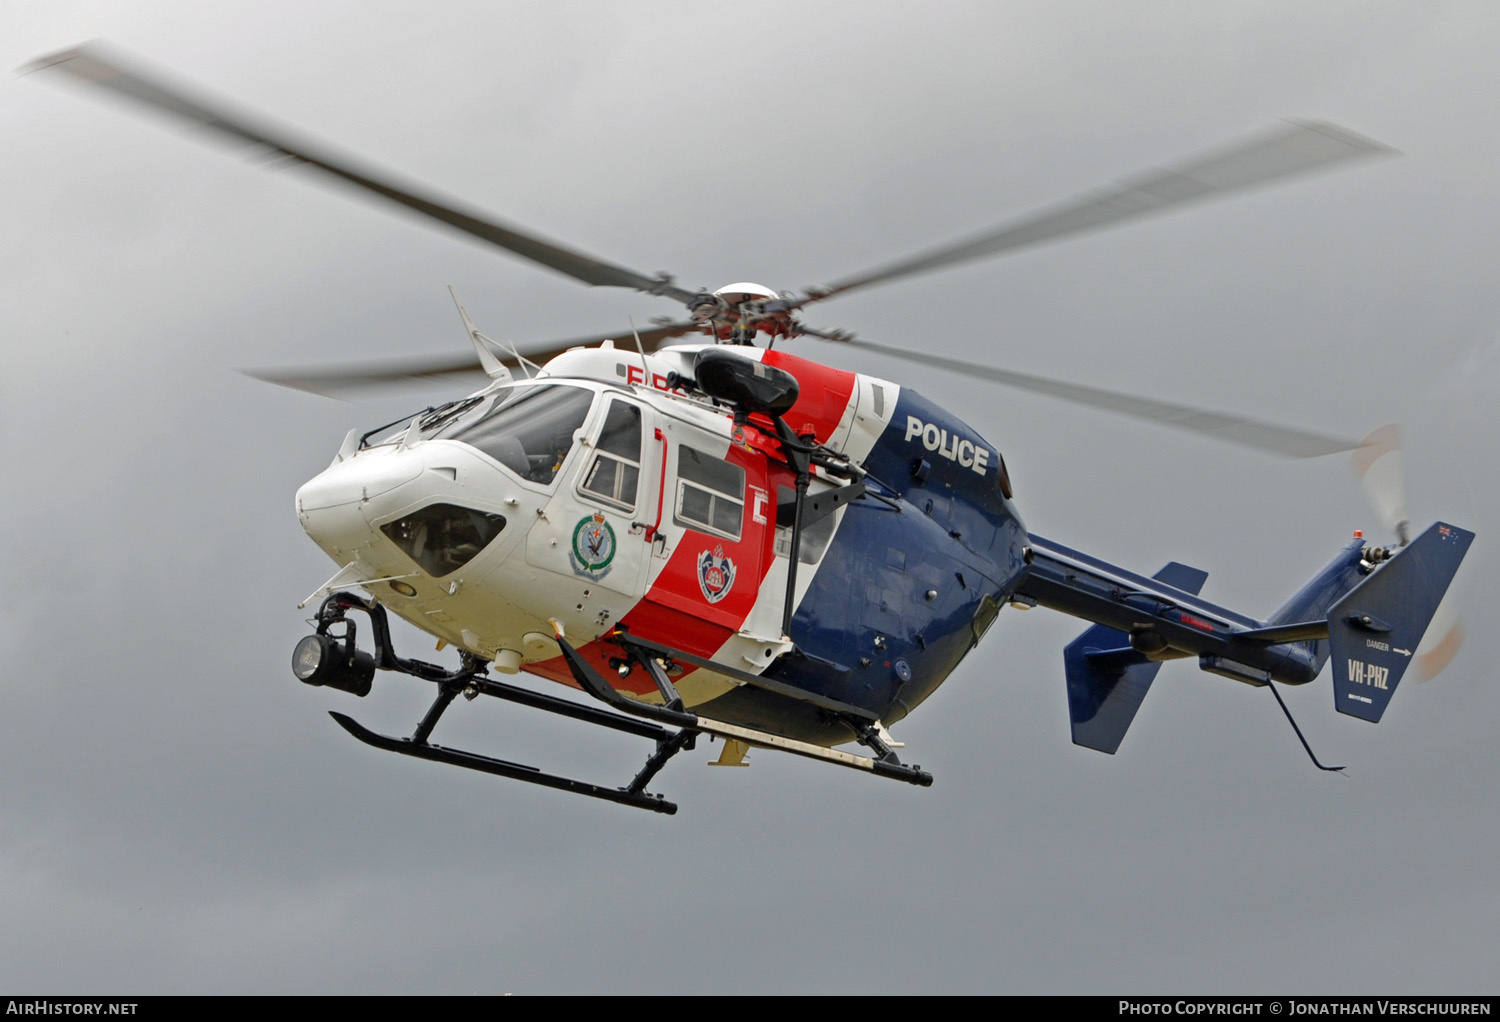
(179, 815)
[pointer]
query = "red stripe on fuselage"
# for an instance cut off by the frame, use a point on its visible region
(823, 394)
(674, 610)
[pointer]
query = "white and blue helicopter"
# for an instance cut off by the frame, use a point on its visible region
(711, 537)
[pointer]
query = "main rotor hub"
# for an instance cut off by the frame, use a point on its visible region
(744, 291)
(737, 312)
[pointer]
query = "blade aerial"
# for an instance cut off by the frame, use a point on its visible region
(338, 379)
(1291, 149)
(1264, 436)
(99, 65)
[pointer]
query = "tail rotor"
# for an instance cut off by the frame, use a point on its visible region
(1378, 465)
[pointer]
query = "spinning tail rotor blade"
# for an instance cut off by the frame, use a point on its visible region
(1292, 149)
(1265, 436)
(1444, 638)
(339, 379)
(99, 65)
(1377, 465)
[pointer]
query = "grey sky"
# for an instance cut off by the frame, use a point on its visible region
(179, 815)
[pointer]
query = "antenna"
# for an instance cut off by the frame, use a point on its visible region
(1282, 703)
(645, 370)
(493, 367)
(522, 359)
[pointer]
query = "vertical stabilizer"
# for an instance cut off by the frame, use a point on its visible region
(1374, 630)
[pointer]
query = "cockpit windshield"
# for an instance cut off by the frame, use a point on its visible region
(528, 429)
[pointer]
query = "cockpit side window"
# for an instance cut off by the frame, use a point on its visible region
(614, 475)
(530, 430)
(710, 494)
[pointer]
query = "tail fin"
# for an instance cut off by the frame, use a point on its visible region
(1374, 629)
(1107, 679)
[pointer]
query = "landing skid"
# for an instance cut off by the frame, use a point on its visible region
(668, 744)
(658, 725)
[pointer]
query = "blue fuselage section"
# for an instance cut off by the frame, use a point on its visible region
(914, 574)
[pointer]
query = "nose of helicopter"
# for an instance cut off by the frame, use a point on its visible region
(359, 478)
(333, 505)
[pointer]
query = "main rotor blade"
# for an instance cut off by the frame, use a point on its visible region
(1265, 436)
(100, 65)
(1294, 148)
(334, 380)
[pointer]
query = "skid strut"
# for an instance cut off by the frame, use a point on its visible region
(469, 681)
(884, 763)
(672, 728)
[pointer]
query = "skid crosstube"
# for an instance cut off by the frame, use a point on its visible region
(668, 743)
(883, 763)
(672, 728)
(469, 681)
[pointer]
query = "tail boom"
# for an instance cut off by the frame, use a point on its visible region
(1365, 609)
(1159, 621)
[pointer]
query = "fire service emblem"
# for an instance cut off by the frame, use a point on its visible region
(593, 546)
(715, 574)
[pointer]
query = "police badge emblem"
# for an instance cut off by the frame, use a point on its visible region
(593, 546)
(715, 574)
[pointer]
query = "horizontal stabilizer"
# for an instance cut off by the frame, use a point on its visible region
(1374, 630)
(1299, 632)
(1107, 679)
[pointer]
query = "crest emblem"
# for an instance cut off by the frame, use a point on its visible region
(593, 546)
(715, 574)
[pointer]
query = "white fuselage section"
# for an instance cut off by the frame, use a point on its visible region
(642, 507)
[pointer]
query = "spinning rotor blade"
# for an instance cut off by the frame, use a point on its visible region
(1444, 638)
(337, 379)
(1377, 465)
(95, 64)
(1265, 436)
(333, 380)
(1294, 148)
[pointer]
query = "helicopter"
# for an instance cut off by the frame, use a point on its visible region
(713, 537)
